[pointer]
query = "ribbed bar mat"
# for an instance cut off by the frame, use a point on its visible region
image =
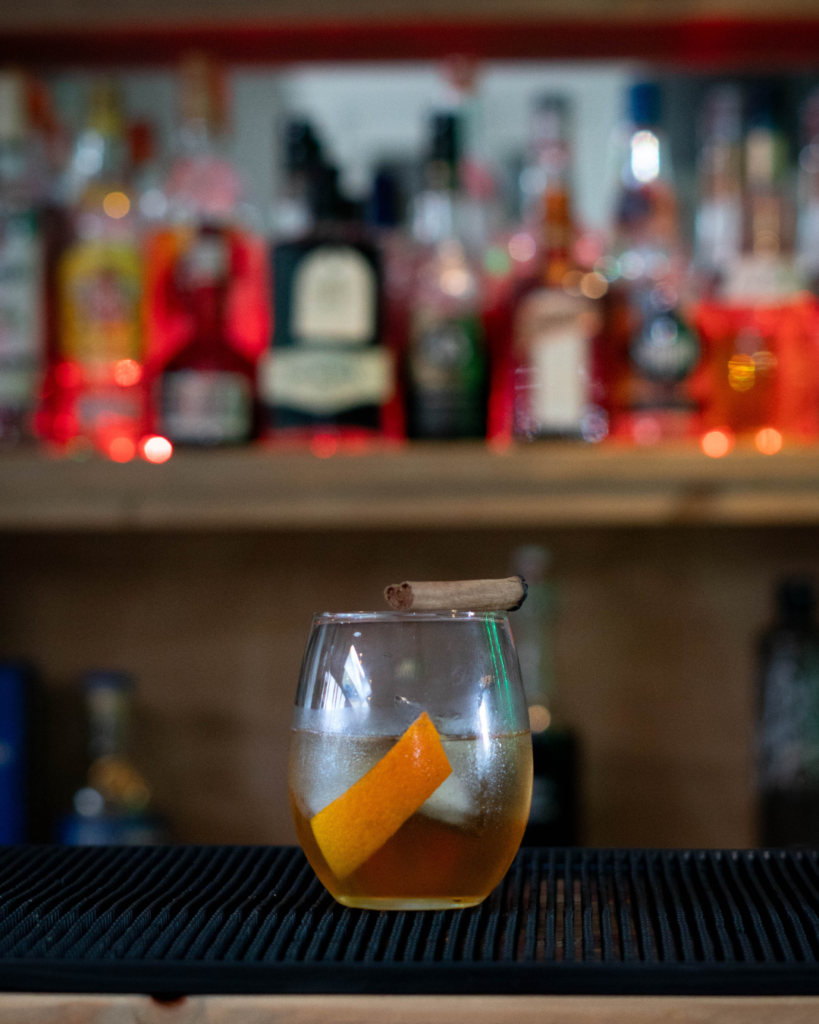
(195, 919)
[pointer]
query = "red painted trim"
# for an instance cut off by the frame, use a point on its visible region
(777, 43)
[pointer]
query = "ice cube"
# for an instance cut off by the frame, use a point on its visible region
(450, 803)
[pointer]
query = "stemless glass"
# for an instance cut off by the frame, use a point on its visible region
(410, 757)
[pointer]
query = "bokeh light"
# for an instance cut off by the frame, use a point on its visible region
(323, 446)
(127, 372)
(121, 449)
(540, 718)
(116, 205)
(522, 247)
(768, 441)
(717, 443)
(156, 449)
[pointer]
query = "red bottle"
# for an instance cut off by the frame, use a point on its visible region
(205, 394)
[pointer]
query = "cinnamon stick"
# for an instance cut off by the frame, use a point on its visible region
(458, 595)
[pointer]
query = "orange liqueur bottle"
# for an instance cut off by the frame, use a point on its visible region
(554, 319)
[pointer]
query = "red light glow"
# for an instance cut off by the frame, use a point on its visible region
(717, 443)
(127, 372)
(768, 441)
(323, 446)
(121, 449)
(156, 449)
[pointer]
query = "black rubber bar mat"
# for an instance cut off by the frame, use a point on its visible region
(194, 919)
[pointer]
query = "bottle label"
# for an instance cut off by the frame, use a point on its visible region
(326, 382)
(446, 369)
(553, 333)
(100, 302)
(206, 406)
(334, 297)
(21, 330)
(665, 350)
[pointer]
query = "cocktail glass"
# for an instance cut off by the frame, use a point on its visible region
(410, 757)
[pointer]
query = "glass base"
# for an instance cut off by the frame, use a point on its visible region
(409, 902)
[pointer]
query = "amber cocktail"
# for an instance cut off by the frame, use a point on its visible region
(410, 758)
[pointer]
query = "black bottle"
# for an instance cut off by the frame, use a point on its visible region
(327, 369)
(788, 740)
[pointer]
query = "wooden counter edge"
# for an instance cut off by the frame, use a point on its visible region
(78, 1009)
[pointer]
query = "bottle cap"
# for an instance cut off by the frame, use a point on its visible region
(645, 104)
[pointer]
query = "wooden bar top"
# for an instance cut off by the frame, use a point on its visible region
(58, 1009)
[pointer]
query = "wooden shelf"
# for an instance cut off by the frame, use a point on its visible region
(416, 486)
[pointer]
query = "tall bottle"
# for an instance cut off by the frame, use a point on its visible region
(113, 807)
(446, 357)
(788, 735)
(553, 815)
(208, 314)
(554, 317)
(96, 382)
(767, 271)
(22, 299)
(808, 192)
(328, 369)
(653, 350)
(719, 217)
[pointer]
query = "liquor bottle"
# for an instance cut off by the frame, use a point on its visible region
(206, 390)
(207, 310)
(328, 369)
(97, 378)
(554, 317)
(788, 744)
(446, 357)
(112, 808)
(718, 227)
(807, 227)
(14, 753)
(553, 814)
(22, 186)
(292, 214)
(652, 348)
(767, 272)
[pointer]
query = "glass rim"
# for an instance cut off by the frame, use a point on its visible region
(344, 618)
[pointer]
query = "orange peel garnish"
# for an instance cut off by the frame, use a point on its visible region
(358, 823)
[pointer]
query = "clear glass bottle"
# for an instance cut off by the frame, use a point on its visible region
(718, 227)
(652, 348)
(113, 807)
(22, 298)
(807, 227)
(788, 734)
(446, 357)
(767, 272)
(554, 315)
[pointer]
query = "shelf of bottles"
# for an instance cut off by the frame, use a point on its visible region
(476, 353)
